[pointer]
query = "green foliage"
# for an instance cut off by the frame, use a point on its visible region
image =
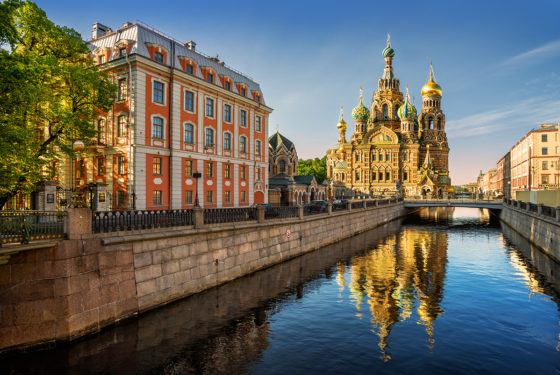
(316, 167)
(49, 92)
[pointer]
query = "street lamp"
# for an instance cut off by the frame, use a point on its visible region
(196, 176)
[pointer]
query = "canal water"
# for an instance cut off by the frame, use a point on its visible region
(445, 291)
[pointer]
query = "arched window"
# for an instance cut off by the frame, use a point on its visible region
(209, 139)
(157, 128)
(189, 134)
(282, 166)
(258, 147)
(227, 141)
(431, 124)
(243, 144)
(396, 111)
(385, 112)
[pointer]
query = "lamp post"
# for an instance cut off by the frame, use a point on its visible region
(196, 176)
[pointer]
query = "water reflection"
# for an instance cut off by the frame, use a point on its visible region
(405, 273)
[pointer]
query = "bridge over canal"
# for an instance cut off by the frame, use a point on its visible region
(473, 203)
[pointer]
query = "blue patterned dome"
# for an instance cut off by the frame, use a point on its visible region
(407, 110)
(360, 113)
(388, 51)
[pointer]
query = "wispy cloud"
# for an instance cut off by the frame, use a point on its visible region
(529, 57)
(523, 114)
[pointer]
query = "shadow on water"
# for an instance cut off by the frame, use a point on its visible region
(219, 331)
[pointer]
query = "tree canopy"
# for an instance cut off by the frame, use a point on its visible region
(49, 92)
(316, 167)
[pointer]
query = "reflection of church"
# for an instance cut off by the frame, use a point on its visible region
(285, 187)
(402, 276)
(393, 149)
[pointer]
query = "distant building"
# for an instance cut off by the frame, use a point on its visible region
(285, 187)
(535, 163)
(394, 148)
(503, 176)
(184, 127)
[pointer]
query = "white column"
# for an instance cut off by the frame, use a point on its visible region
(235, 139)
(251, 182)
(140, 175)
(266, 156)
(138, 106)
(235, 184)
(175, 159)
(200, 124)
(219, 110)
(219, 183)
(200, 183)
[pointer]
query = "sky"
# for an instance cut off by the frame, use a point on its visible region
(496, 61)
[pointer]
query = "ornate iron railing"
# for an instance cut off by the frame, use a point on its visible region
(280, 212)
(357, 204)
(114, 221)
(25, 226)
(339, 206)
(370, 204)
(549, 211)
(313, 209)
(229, 215)
(533, 207)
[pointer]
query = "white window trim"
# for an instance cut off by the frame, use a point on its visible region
(246, 145)
(230, 113)
(224, 141)
(206, 97)
(194, 100)
(246, 118)
(125, 77)
(164, 130)
(165, 86)
(194, 133)
(213, 137)
(262, 124)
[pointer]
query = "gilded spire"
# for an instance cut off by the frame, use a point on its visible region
(431, 88)
(361, 94)
(388, 39)
(341, 112)
(341, 124)
(431, 71)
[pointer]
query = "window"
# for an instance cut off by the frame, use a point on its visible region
(210, 196)
(243, 91)
(357, 157)
(100, 166)
(227, 113)
(227, 171)
(243, 172)
(357, 176)
(405, 176)
(258, 124)
(388, 157)
(258, 147)
(227, 196)
(282, 166)
(188, 197)
(227, 142)
(209, 140)
(545, 179)
(190, 69)
(189, 101)
(121, 126)
(385, 112)
(158, 57)
(101, 131)
(380, 157)
(387, 176)
(157, 198)
(157, 128)
(397, 111)
(210, 170)
(101, 59)
(545, 165)
(545, 150)
(209, 107)
(189, 134)
(120, 199)
(228, 85)
(243, 144)
(405, 157)
(258, 98)
(259, 174)
(374, 176)
(243, 196)
(243, 118)
(121, 95)
(81, 170)
(158, 92)
(210, 77)
(373, 157)
(544, 138)
(120, 164)
(122, 51)
(156, 166)
(431, 124)
(188, 168)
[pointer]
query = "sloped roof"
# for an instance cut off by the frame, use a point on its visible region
(278, 139)
(304, 180)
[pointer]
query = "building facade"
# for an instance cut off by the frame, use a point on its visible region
(394, 149)
(535, 163)
(184, 128)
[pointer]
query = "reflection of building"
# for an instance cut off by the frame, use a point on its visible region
(535, 161)
(401, 273)
(178, 113)
(285, 187)
(394, 149)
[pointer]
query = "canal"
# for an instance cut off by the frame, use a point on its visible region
(445, 291)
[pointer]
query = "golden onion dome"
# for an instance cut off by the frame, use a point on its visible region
(341, 124)
(341, 149)
(431, 88)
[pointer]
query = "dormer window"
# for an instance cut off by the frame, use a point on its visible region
(243, 91)
(227, 85)
(101, 59)
(158, 57)
(190, 69)
(210, 77)
(122, 51)
(258, 98)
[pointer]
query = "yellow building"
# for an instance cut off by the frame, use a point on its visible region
(394, 149)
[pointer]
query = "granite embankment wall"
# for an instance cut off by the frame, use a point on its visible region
(541, 230)
(60, 291)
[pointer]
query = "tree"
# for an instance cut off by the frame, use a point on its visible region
(49, 92)
(316, 167)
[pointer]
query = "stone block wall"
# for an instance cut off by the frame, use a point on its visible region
(540, 230)
(60, 291)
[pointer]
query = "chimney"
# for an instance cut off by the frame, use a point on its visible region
(99, 30)
(191, 45)
(126, 24)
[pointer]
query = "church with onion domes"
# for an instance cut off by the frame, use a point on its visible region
(395, 149)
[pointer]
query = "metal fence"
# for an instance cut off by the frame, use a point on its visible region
(25, 226)
(357, 204)
(339, 206)
(280, 212)
(114, 221)
(533, 207)
(229, 215)
(313, 209)
(549, 211)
